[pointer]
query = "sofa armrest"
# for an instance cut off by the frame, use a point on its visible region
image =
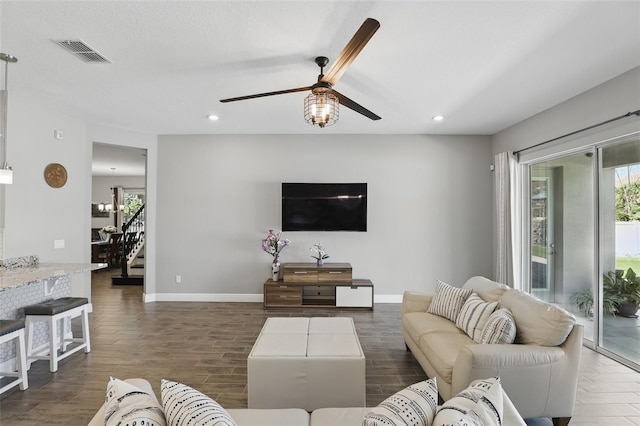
(415, 302)
(540, 380)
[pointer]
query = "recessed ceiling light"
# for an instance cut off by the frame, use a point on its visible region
(437, 117)
(212, 117)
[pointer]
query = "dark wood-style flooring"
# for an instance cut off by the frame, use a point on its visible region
(204, 345)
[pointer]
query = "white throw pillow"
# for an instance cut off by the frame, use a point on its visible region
(474, 315)
(414, 405)
(500, 328)
(481, 404)
(127, 404)
(448, 301)
(184, 406)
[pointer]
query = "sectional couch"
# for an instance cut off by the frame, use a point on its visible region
(349, 416)
(539, 371)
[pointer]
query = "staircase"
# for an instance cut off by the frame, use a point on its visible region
(132, 260)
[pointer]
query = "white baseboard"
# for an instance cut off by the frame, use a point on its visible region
(225, 297)
(387, 298)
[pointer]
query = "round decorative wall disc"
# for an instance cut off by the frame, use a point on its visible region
(55, 175)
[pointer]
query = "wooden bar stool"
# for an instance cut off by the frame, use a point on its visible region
(50, 312)
(14, 330)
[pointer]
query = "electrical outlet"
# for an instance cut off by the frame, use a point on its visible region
(178, 278)
(58, 244)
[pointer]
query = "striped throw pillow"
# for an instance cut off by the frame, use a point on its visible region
(414, 405)
(481, 404)
(184, 406)
(474, 315)
(126, 404)
(500, 328)
(448, 301)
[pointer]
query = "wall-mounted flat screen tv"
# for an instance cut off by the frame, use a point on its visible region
(324, 207)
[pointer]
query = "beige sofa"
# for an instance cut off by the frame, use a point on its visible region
(347, 416)
(539, 371)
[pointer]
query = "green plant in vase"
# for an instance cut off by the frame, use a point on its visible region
(623, 289)
(583, 300)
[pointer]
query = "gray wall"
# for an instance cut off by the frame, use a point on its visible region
(429, 209)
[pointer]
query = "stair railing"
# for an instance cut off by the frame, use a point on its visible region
(131, 231)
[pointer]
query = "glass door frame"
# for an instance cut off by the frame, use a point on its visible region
(523, 178)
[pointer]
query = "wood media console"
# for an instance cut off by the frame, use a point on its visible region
(306, 285)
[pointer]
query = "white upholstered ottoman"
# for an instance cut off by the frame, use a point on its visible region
(306, 363)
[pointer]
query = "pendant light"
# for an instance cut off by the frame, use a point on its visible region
(6, 173)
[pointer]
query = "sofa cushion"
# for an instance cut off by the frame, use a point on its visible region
(418, 324)
(441, 349)
(270, 416)
(184, 406)
(500, 328)
(474, 315)
(537, 322)
(448, 301)
(414, 405)
(488, 290)
(338, 416)
(480, 404)
(126, 403)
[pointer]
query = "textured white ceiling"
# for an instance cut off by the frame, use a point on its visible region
(485, 65)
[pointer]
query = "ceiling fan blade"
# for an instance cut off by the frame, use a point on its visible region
(355, 106)
(351, 50)
(262, 95)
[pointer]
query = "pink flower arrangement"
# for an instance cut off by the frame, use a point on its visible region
(273, 244)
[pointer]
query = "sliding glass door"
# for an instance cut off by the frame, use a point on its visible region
(561, 231)
(584, 241)
(619, 194)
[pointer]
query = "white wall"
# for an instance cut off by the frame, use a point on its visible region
(611, 99)
(429, 209)
(35, 213)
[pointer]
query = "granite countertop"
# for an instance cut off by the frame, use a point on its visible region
(25, 275)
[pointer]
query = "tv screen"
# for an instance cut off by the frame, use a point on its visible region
(324, 207)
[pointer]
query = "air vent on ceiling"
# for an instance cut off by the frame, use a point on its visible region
(82, 50)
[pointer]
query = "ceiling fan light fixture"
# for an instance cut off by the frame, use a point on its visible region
(321, 109)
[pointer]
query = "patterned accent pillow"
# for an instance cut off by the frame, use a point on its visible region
(414, 405)
(448, 301)
(127, 404)
(184, 405)
(474, 315)
(500, 328)
(481, 404)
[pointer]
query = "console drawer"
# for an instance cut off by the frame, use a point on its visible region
(318, 290)
(334, 276)
(355, 296)
(300, 276)
(283, 295)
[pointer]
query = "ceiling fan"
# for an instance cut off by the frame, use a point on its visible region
(321, 106)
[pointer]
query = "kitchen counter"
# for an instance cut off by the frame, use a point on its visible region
(12, 277)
